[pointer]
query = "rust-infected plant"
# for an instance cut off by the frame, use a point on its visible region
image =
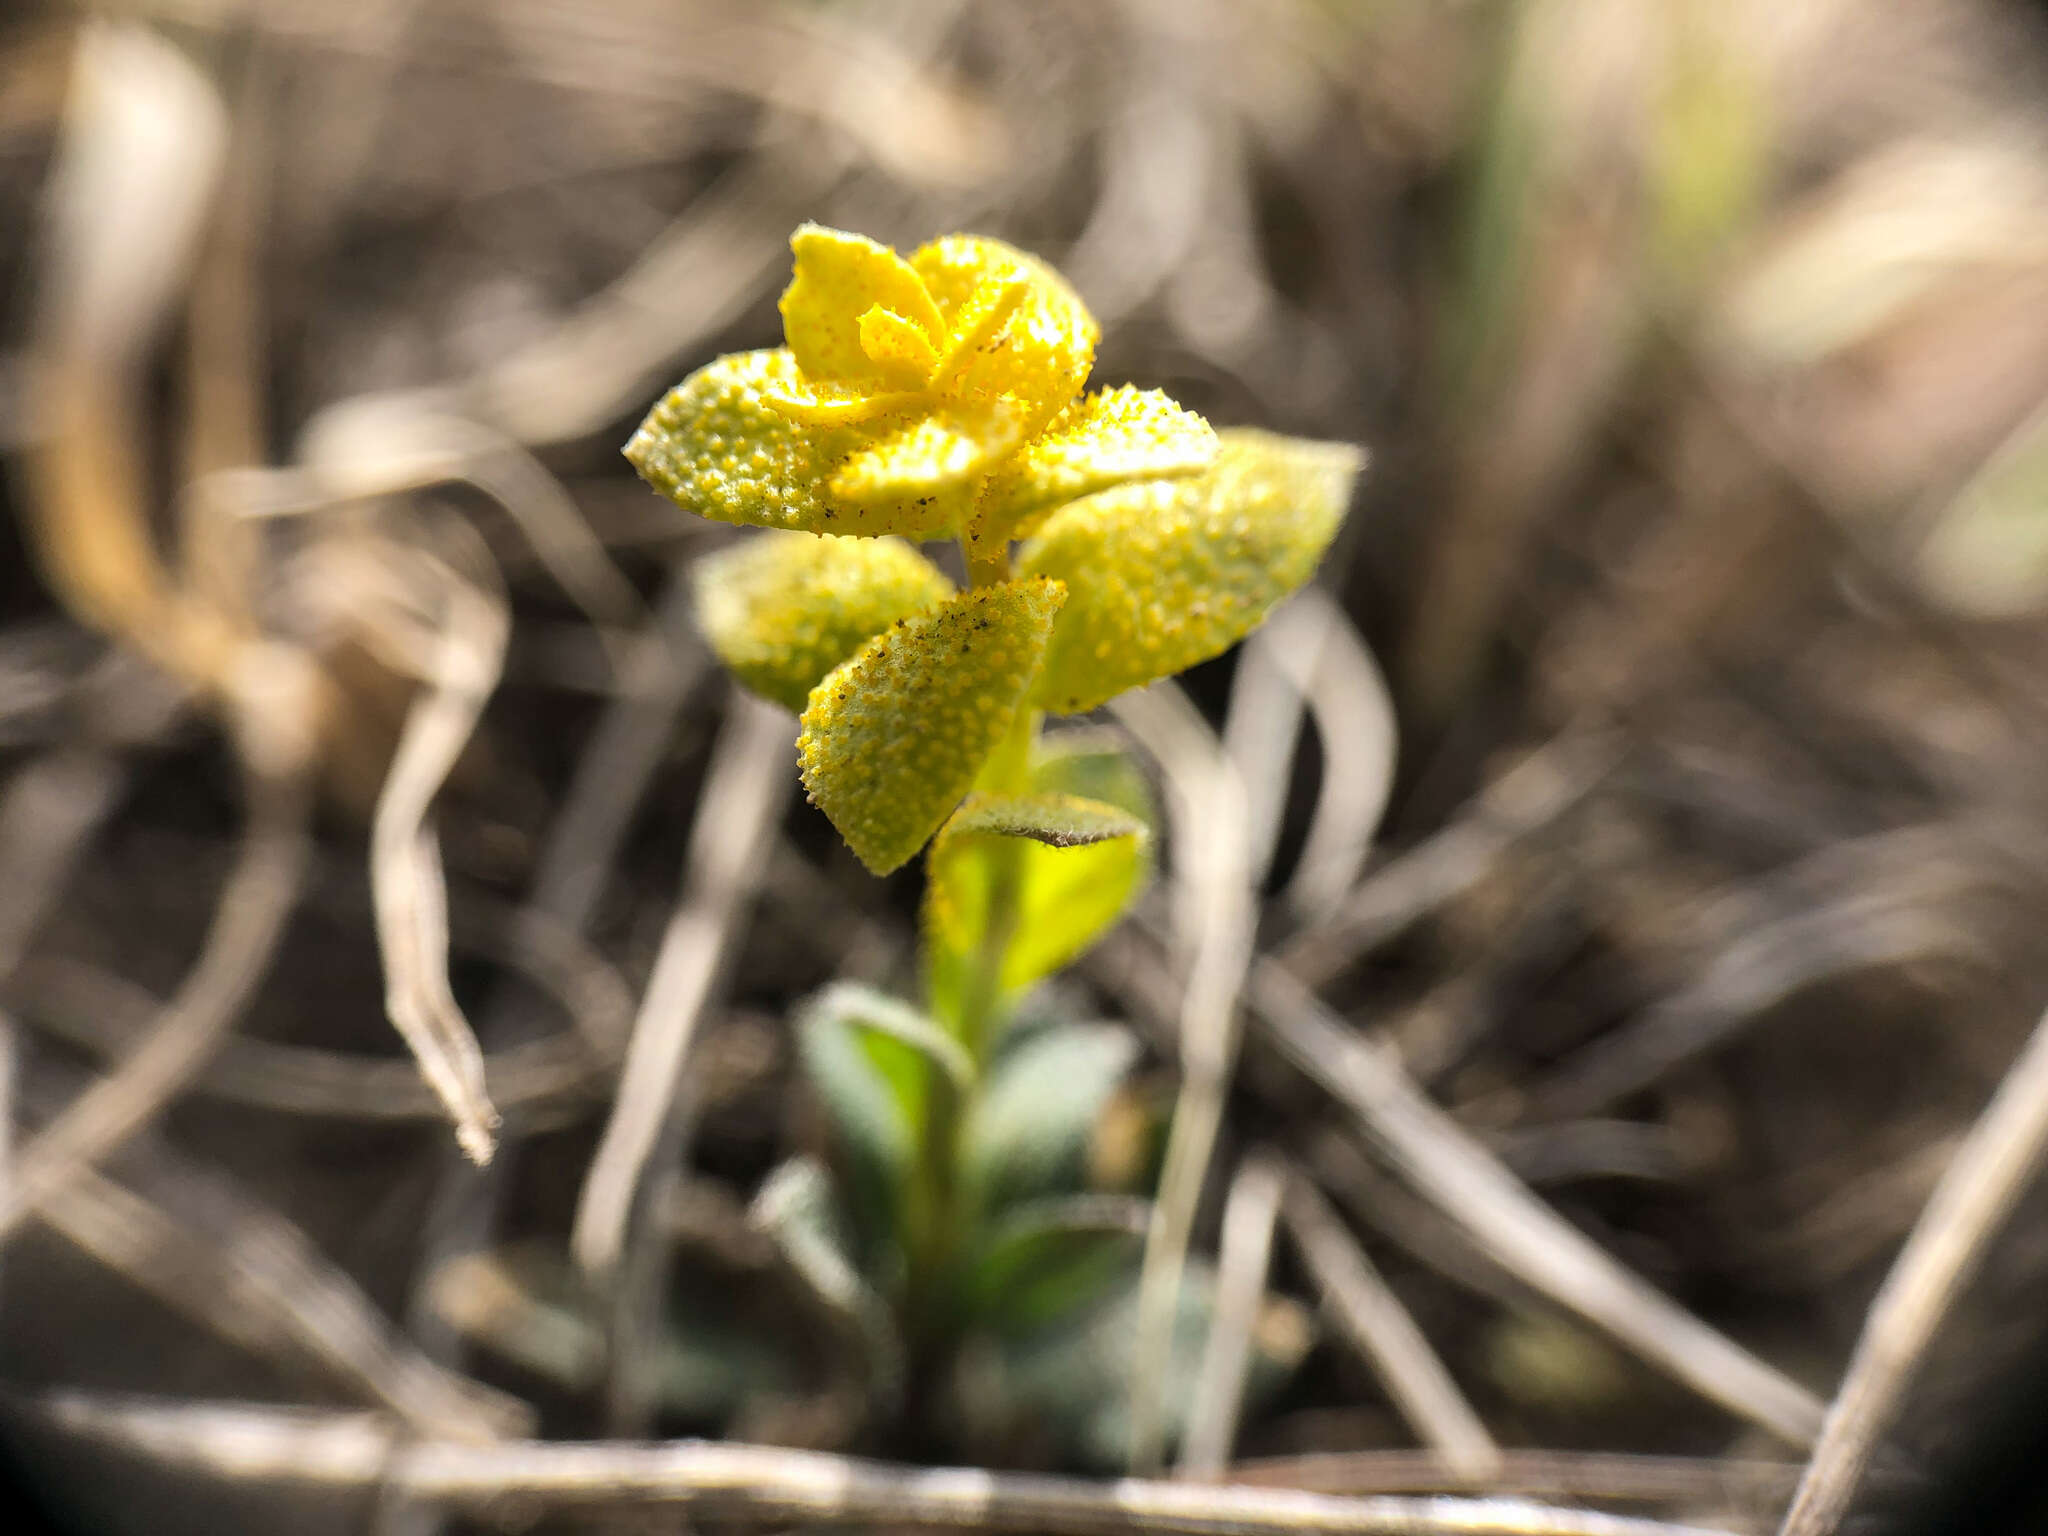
(1110, 539)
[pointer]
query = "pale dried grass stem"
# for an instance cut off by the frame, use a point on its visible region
(322, 1452)
(1976, 1194)
(1371, 1315)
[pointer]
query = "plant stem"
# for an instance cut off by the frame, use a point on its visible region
(1007, 772)
(937, 1219)
(985, 566)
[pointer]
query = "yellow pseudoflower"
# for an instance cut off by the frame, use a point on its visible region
(941, 397)
(933, 397)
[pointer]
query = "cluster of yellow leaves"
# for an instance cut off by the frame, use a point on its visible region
(941, 397)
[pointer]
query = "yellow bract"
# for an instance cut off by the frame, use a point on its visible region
(904, 387)
(940, 396)
(784, 609)
(1112, 436)
(840, 280)
(1166, 573)
(719, 446)
(894, 737)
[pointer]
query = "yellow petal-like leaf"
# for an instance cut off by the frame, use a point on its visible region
(1166, 573)
(1110, 436)
(1072, 864)
(840, 277)
(783, 609)
(900, 348)
(894, 737)
(940, 455)
(718, 446)
(1014, 328)
(817, 403)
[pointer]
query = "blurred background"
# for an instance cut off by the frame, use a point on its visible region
(1701, 347)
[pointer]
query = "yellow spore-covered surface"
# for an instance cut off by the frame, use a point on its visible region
(904, 386)
(783, 609)
(1166, 573)
(940, 396)
(717, 446)
(893, 738)
(1110, 436)
(840, 278)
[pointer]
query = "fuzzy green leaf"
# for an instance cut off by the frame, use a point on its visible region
(1028, 1134)
(719, 446)
(783, 609)
(869, 1058)
(795, 1208)
(1072, 1378)
(1104, 439)
(894, 737)
(1046, 1259)
(1070, 865)
(1093, 764)
(1165, 573)
(1057, 821)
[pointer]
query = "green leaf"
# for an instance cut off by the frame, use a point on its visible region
(869, 1058)
(1053, 871)
(717, 445)
(527, 1304)
(894, 737)
(1101, 440)
(1093, 764)
(795, 1208)
(1057, 821)
(1072, 1379)
(1027, 1135)
(1162, 574)
(783, 609)
(1048, 1258)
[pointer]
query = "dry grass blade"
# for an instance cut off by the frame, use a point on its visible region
(108, 1016)
(1882, 901)
(741, 802)
(1354, 715)
(254, 906)
(10, 1115)
(1244, 1253)
(341, 1451)
(665, 661)
(1975, 1195)
(1264, 723)
(49, 809)
(1380, 1326)
(406, 882)
(1523, 801)
(253, 1277)
(1441, 1160)
(142, 148)
(1214, 925)
(1599, 1475)
(381, 445)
